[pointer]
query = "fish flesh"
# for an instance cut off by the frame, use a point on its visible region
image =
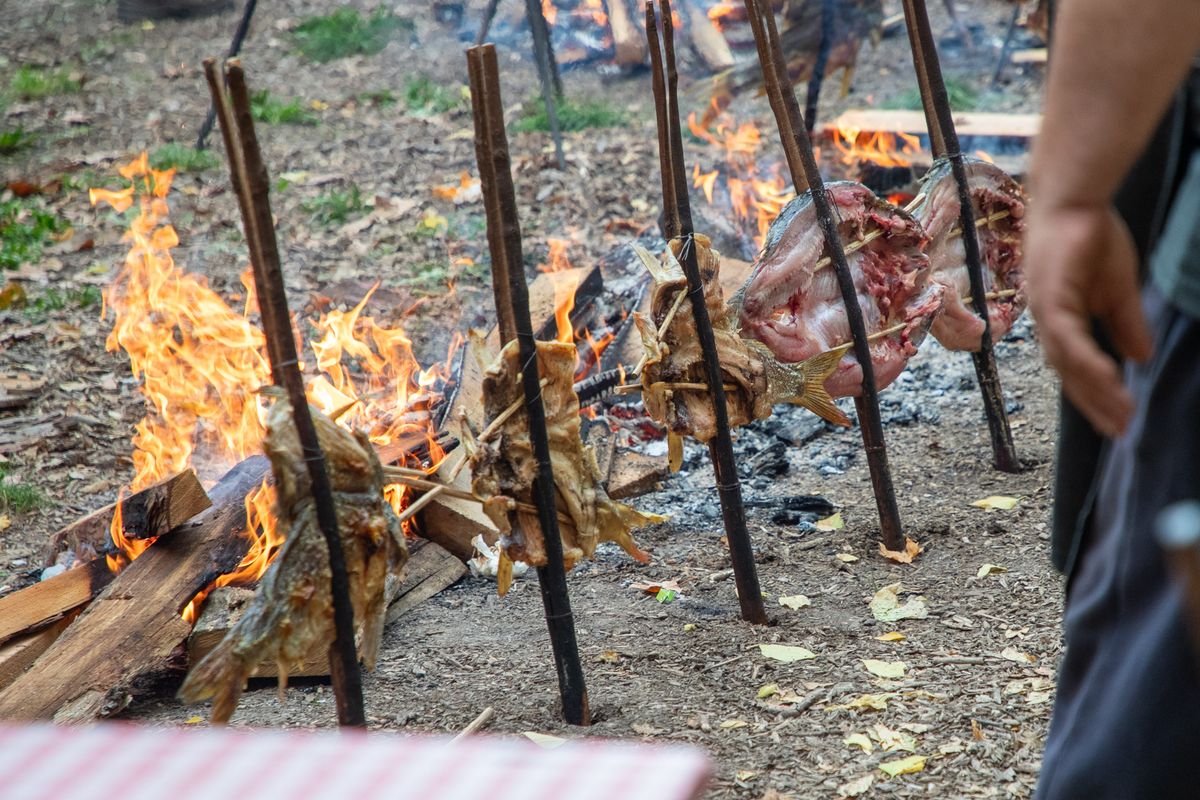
(999, 205)
(674, 377)
(292, 610)
(792, 302)
(503, 467)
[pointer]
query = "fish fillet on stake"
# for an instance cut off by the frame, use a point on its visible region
(503, 468)
(792, 301)
(999, 205)
(292, 610)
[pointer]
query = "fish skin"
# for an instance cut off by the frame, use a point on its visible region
(292, 609)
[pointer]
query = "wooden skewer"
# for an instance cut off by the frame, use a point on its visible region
(872, 235)
(494, 426)
(483, 719)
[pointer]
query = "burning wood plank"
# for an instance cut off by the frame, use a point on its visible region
(18, 655)
(144, 515)
(967, 123)
(48, 601)
(629, 45)
(137, 617)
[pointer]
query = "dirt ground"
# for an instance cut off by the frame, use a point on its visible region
(976, 690)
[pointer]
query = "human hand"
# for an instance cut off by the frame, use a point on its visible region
(1081, 263)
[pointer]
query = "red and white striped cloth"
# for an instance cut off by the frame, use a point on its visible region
(117, 761)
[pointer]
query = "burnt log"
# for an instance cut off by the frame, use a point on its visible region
(134, 625)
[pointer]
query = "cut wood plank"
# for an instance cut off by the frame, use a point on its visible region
(706, 39)
(628, 44)
(967, 123)
(429, 570)
(632, 474)
(17, 655)
(48, 601)
(133, 626)
(151, 512)
(453, 522)
(1038, 55)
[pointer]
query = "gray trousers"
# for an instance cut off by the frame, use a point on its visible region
(1127, 714)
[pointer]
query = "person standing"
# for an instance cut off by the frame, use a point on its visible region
(1126, 720)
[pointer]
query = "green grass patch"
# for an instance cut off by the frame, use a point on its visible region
(32, 83)
(19, 497)
(573, 115)
(963, 97)
(14, 139)
(423, 96)
(335, 207)
(346, 33)
(183, 157)
(25, 228)
(274, 111)
(83, 297)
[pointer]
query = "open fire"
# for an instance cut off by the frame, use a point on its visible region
(199, 364)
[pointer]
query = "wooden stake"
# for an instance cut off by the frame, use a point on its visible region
(512, 306)
(944, 142)
(235, 47)
(741, 549)
(269, 285)
(867, 406)
(547, 69)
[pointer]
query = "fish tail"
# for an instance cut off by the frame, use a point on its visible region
(220, 676)
(815, 398)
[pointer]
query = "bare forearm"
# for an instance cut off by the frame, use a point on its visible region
(1114, 66)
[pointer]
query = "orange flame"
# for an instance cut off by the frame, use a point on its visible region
(885, 148)
(200, 364)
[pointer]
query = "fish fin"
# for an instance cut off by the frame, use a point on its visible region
(504, 573)
(815, 398)
(674, 451)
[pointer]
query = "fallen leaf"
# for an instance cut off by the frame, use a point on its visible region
(886, 607)
(786, 653)
(766, 691)
(666, 595)
(846, 558)
(996, 502)
(691, 626)
(893, 740)
(1013, 654)
(5, 522)
(875, 702)
(610, 656)
(977, 731)
(194, 721)
(911, 550)
(860, 740)
(1037, 698)
(544, 740)
(891, 636)
(831, 523)
(744, 775)
(990, 569)
(655, 588)
(903, 766)
(885, 669)
(795, 601)
(857, 786)
(734, 724)
(951, 747)
(645, 729)
(13, 294)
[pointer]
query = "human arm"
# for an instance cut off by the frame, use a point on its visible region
(1114, 68)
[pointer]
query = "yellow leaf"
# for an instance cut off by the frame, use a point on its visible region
(832, 523)
(766, 691)
(891, 740)
(745, 775)
(886, 607)
(903, 766)
(891, 636)
(859, 785)
(860, 740)
(911, 550)
(786, 653)
(433, 220)
(876, 702)
(996, 502)
(610, 656)
(688, 628)
(194, 720)
(544, 740)
(5, 522)
(885, 669)
(847, 558)
(1013, 654)
(990, 569)
(734, 724)
(795, 601)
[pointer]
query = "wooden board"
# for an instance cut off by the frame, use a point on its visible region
(151, 512)
(453, 522)
(967, 123)
(1038, 55)
(632, 474)
(48, 601)
(705, 38)
(628, 43)
(133, 626)
(18, 655)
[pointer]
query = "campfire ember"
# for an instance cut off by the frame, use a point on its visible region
(293, 609)
(792, 302)
(999, 204)
(503, 467)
